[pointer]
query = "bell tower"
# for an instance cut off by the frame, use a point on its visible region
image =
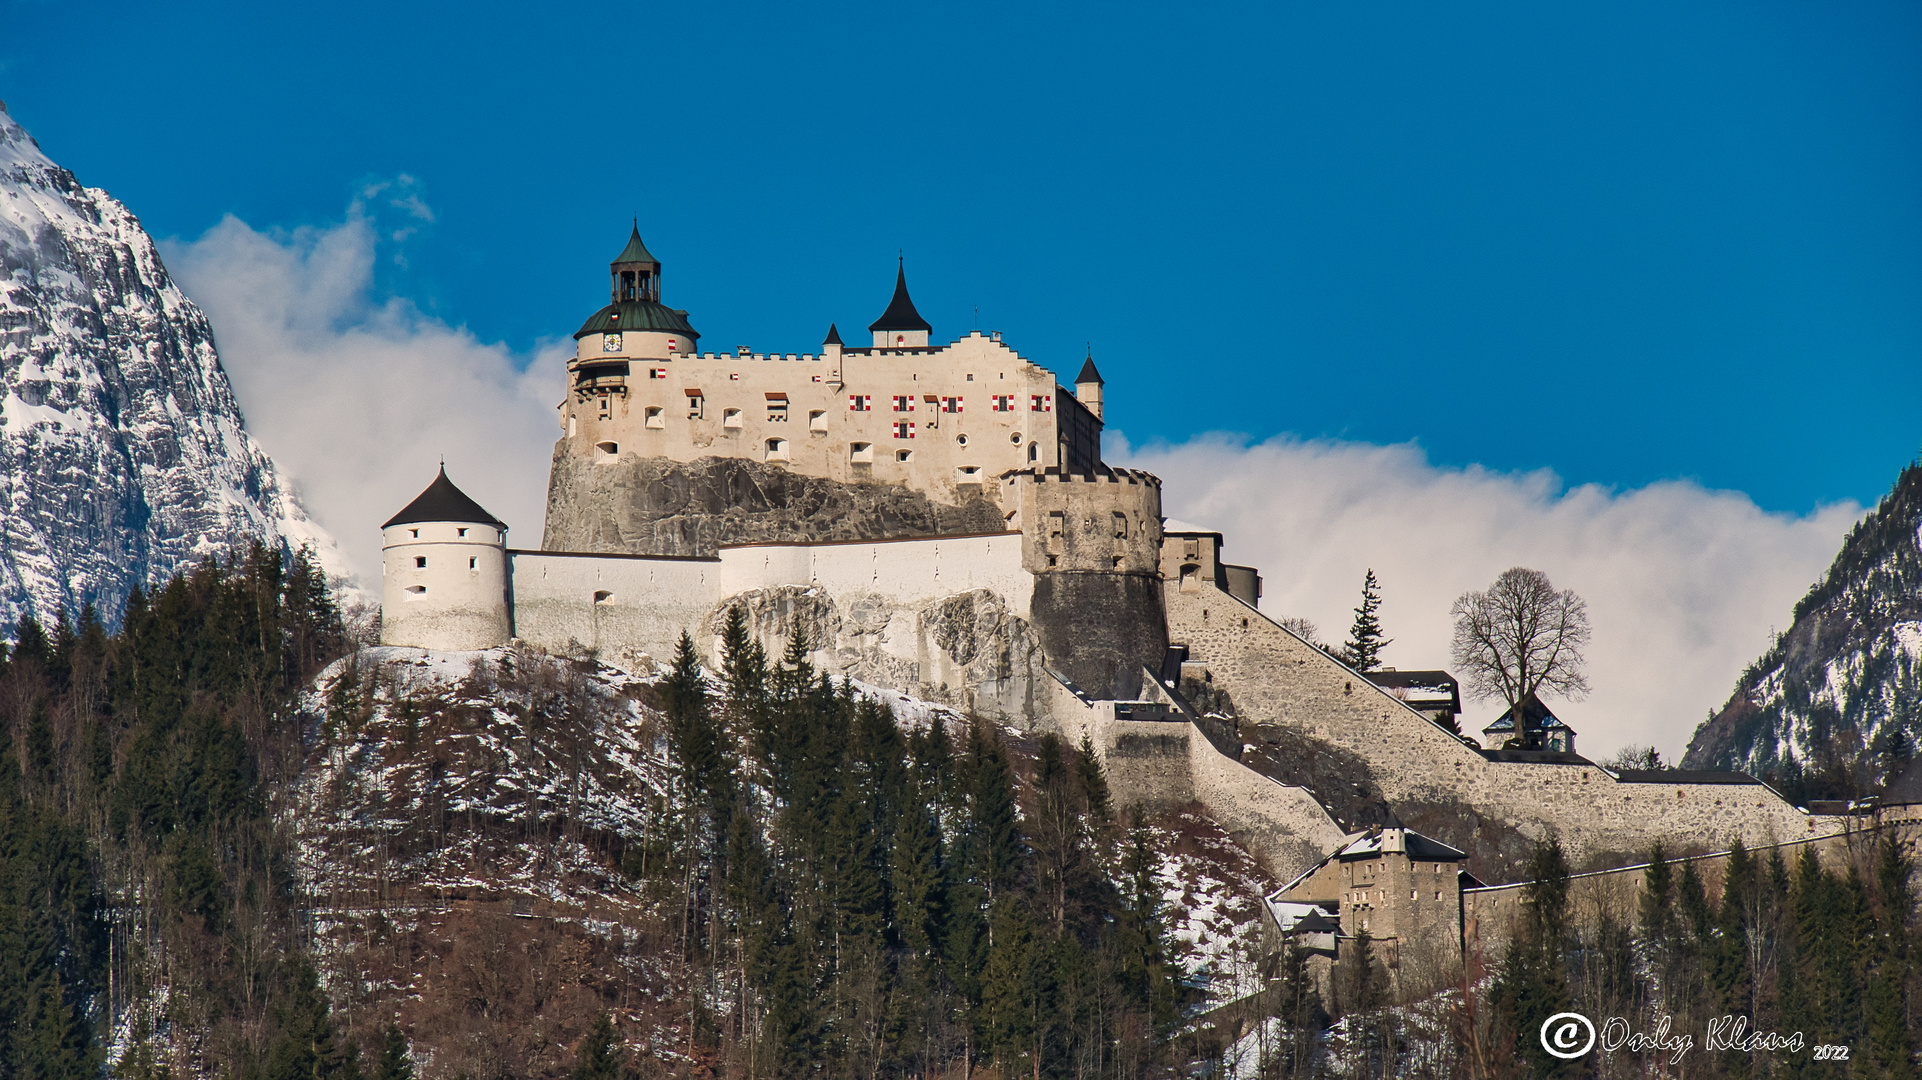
(637, 273)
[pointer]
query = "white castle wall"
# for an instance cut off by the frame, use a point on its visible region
(942, 616)
(458, 599)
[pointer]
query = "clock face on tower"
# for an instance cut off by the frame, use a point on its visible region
(610, 343)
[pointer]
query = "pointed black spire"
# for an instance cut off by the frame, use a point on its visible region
(1088, 373)
(900, 314)
(442, 501)
(834, 336)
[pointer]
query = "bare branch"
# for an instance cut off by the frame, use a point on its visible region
(1521, 637)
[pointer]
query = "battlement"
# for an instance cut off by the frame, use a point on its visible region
(1107, 475)
(1106, 520)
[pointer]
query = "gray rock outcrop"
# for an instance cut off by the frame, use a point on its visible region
(655, 506)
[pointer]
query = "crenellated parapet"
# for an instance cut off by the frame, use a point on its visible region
(1107, 521)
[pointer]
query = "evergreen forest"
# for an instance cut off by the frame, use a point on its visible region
(830, 893)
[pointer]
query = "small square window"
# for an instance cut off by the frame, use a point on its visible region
(473, 563)
(904, 455)
(462, 532)
(415, 533)
(420, 562)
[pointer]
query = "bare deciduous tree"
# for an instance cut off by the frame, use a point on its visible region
(1521, 637)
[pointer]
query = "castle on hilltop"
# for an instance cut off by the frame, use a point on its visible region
(938, 520)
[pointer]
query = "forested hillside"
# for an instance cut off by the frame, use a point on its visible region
(144, 900)
(223, 856)
(1835, 706)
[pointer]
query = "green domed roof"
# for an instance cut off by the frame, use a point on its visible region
(637, 315)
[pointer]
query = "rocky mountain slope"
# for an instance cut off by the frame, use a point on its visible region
(480, 843)
(1838, 699)
(122, 451)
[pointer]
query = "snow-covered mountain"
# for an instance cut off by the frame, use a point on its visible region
(1840, 693)
(122, 452)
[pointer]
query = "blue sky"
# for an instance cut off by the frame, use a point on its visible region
(1623, 241)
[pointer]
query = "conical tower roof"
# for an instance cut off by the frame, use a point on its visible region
(834, 336)
(900, 314)
(1088, 373)
(442, 501)
(635, 251)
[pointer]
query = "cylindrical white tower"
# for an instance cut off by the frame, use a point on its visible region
(444, 573)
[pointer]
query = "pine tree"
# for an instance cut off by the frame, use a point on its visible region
(1532, 982)
(307, 1046)
(1362, 651)
(599, 1056)
(395, 1062)
(1297, 1005)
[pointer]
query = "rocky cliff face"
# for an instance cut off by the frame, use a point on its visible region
(122, 454)
(653, 506)
(1840, 693)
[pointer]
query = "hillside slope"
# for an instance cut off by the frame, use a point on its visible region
(491, 853)
(1838, 699)
(122, 452)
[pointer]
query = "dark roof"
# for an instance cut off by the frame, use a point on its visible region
(637, 315)
(635, 251)
(442, 501)
(834, 336)
(1088, 373)
(1421, 847)
(1682, 776)
(900, 314)
(1317, 923)
(1535, 716)
(1413, 844)
(1539, 757)
(1397, 680)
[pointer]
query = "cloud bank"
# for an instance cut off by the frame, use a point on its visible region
(1683, 584)
(357, 401)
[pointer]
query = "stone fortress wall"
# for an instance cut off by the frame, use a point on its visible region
(979, 555)
(1274, 677)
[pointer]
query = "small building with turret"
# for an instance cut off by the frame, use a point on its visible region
(444, 572)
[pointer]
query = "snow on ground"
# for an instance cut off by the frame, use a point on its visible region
(1211, 892)
(417, 749)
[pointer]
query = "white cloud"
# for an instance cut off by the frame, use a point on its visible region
(1683, 583)
(357, 401)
